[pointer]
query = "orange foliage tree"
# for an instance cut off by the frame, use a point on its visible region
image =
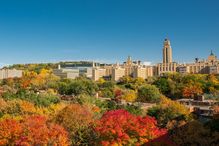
(119, 127)
(76, 119)
(32, 130)
(192, 90)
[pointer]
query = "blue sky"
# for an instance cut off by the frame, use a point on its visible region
(106, 30)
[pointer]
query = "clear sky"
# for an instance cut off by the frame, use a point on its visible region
(106, 30)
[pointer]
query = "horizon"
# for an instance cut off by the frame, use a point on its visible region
(109, 31)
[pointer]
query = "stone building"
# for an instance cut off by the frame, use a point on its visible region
(136, 69)
(208, 66)
(168, 65)
(129, 68)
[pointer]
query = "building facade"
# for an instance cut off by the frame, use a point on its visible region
(129, 68)
(168, 65)
(10, 73)
(208, 66)
(136, 69)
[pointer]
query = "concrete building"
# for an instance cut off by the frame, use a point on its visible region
(98, 73)
(10, 73)
(73, 72)
(66, 73)
(199, 105)
(118, 72)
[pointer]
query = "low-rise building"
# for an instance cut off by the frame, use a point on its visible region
(200, 105)
(66, 73)
(129, 68)
(10, 73)
(208, 66)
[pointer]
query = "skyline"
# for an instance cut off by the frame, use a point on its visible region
(109, 31)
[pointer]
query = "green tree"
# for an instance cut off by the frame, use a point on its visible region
(163, 85)
(148, 93)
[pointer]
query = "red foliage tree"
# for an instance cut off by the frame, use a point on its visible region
(122, 128)
(33, 130)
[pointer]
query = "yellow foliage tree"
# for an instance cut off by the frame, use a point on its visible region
(129, 96)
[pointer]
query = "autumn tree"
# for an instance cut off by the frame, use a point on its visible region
(76, 119)
(148, 93)
(119, 127)
(32, 130)
(129, 95)
(194, 133)
(192, 90)
(169, 112)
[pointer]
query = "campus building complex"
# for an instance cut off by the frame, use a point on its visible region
(136, 69)
(208, 66)
(129, 68)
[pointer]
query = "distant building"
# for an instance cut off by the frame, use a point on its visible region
(168, 65)
(98, 73)
(66, 73)
(118, 72)
(129, 68)
(73, 72)
(10, 73)
(200, 105)
(136, 69)
(208, 66)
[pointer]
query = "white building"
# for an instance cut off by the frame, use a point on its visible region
(10, 73)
